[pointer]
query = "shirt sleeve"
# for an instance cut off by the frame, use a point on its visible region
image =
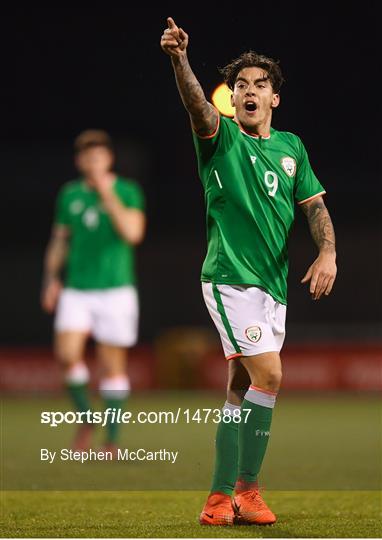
(219, 142)
(132, 195)
(307, 185)
(62, 214)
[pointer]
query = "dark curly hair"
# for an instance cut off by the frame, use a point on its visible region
(252, 59)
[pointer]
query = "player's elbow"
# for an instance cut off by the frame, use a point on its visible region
(134, 240)
(135, 236)
(134, 229)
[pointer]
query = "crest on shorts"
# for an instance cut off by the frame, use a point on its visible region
(289, 166)
(253, 333)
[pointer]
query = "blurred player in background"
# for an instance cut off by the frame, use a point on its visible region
(99, 219)
(251, 174)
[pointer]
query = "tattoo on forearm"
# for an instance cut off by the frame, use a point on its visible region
(58, 245)
(320, 225)
(55, 255)
(203, 115)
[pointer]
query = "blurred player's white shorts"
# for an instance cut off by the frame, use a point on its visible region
(109, 315)
(248, 319)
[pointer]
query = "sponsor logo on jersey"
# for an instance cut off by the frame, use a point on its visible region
(253, 159)
(76, 207)
(253, 333)
(289, 166)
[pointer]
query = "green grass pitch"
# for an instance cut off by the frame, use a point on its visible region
(322, 473)
(174, 514)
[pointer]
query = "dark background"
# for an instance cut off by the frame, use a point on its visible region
(68, 69)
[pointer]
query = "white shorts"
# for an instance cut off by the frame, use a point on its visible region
(110, 315)
(248, 319)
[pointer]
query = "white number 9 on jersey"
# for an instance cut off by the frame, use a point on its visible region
(272, 182)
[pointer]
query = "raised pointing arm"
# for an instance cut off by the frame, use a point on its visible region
(204, 117)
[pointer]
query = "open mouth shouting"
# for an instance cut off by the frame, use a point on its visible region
(250, 107)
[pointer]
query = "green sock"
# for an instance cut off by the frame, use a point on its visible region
(112, 428)
(79, 395)
(226, 454)
(254, 433)
(114, 391)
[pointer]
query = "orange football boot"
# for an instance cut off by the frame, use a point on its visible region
(250, 509)
(217, 510)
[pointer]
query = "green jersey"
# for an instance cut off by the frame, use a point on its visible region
(251, 184)
(98, 256)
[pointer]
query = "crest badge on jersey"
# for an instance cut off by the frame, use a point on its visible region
(253, 333)
(76, 206)
(91, 218)
(289, 166)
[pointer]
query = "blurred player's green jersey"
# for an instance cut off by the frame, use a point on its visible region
(251, 184)
(98, 256)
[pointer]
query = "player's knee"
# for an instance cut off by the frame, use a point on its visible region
(64, 356)
(272, 380)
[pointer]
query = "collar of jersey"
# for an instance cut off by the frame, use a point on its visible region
(253, 136)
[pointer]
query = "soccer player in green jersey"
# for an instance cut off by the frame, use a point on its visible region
(99, 219)
(252, 175)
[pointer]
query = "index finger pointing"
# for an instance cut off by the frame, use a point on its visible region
(171, 23)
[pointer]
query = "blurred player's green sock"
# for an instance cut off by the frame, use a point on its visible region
(112, 427)
(254, 434)
(76, 381)
(226, 453)
(114, 391)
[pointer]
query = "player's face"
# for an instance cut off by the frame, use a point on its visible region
(253, 98)
(95, 162)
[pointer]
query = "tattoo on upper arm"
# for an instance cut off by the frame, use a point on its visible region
(207, 124)
(203, 114)
(320, 224)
